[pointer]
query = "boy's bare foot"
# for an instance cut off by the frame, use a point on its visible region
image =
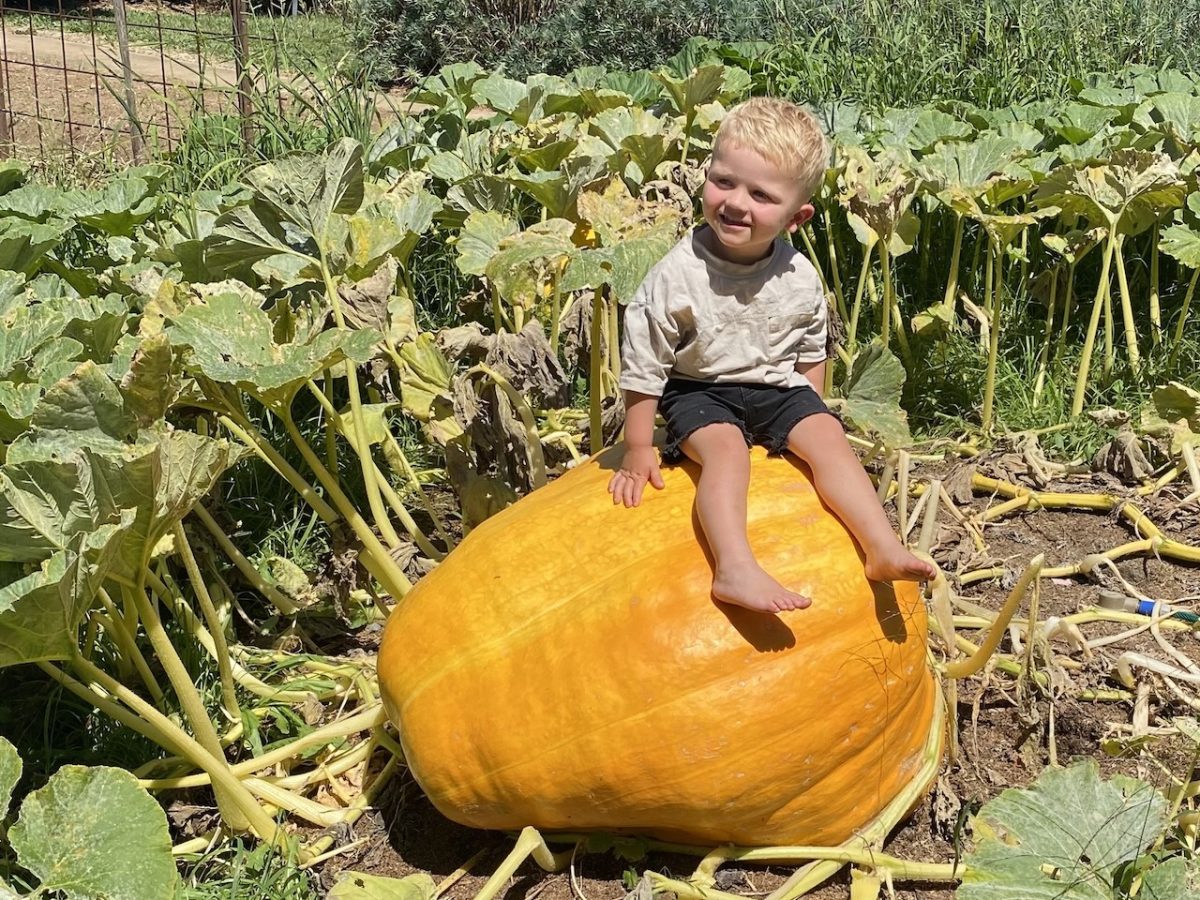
(746, 584)
(896, 564)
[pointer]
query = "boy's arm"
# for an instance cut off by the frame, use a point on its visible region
(640, 410)
(815, 373)
(640, 463)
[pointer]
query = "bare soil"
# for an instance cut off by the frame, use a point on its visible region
(66, 91)
(1005, 730)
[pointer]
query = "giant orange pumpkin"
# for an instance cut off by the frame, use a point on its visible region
(566, 667)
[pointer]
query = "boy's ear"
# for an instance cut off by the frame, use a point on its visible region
(802, 215)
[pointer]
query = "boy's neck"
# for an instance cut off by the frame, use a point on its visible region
(745, 257)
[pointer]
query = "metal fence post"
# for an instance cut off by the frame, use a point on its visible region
(135, 132)
(241, 58)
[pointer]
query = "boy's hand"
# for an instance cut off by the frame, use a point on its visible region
(639, 466)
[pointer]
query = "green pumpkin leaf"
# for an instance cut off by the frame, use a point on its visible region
(647, 151)
(613, 126)
(966, 165)
(12, 174)
(123, 203)
(42, 508)
(157, 481)
(558, 190)
(1064, 838)
(390, 226)
(83, 410)
(231, 341)
(400, 145)
(1178, 114)
(700, 86)
(40, 614)
(1172, 879)
(922, 128)
(10, 773)
(480, 240)
(450, 88)
(639, 87)
(1074, 245)
(38, 203)
(243, 235)
(24, 244)
(550, 189)
(93, 833)
(545, 158)
(1078, 122)
(1182, 239)
(309, 192)
(12, 291)
(24, 330)
(622, 266)
(1130, 191)
(871, 398)
(498, 92)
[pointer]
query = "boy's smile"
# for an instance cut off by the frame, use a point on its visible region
(748, 201)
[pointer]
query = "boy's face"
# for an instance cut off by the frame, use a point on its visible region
(748, 201)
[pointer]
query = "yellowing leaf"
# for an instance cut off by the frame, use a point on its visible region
(359, 886)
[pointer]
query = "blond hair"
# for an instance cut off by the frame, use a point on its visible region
(785, 134)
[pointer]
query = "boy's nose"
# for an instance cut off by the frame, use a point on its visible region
(734, 207)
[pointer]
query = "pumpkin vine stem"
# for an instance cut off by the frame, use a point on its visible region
(529, 844)
(972, 664)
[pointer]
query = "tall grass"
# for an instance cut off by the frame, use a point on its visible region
(302, 110)
(986, 52)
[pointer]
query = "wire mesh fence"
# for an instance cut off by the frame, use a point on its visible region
(82, 76)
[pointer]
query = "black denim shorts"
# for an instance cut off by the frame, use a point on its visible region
(766, 414)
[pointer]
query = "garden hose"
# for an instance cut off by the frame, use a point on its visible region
(1114, 600)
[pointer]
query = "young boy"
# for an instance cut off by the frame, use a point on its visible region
(728, 333)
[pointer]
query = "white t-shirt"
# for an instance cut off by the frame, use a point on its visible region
(700, 317)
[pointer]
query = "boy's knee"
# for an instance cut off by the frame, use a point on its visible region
(723, 438)
(814, 433)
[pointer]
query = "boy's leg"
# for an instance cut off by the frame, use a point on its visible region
(720, 449)
(843, 484)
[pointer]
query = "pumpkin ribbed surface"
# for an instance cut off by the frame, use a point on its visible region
(566, 667)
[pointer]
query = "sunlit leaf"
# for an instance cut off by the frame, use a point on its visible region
(479, 240)
(700, 85)
(1063, 838)
(95, 833)
(231, 341)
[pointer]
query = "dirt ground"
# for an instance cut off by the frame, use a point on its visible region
(66, 96)
(1004, 736)
(65, 92)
